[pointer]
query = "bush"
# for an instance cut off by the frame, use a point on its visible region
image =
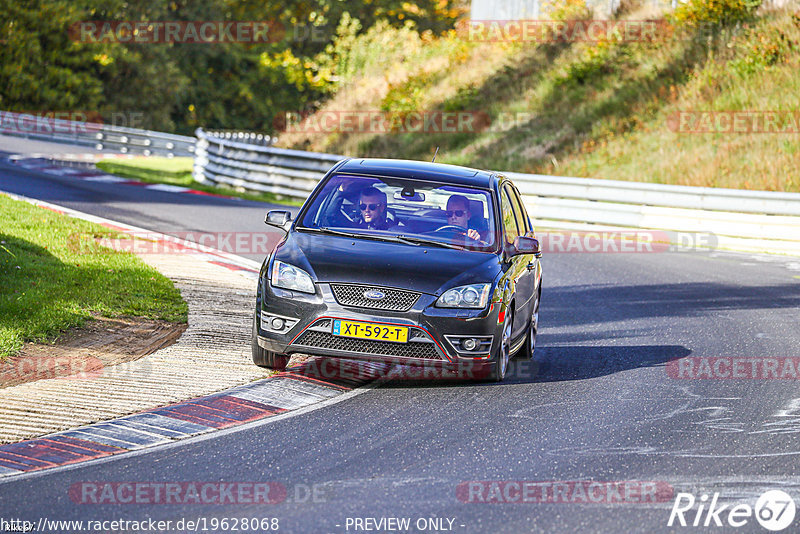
(364, 54)
(466, 97)
(569, 10)
(406, 96)
(715, 12)
(595, 63)
(764, 47)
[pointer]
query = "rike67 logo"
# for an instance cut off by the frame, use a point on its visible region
(774, 510)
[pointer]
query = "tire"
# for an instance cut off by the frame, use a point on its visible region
(498, 374)
(526, 352)
(266, 358)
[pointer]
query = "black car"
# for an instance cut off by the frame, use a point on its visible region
(403, 261)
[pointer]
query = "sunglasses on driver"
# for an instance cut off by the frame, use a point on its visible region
(457, 213)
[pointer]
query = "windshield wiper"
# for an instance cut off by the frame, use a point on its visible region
(422, 241)
(326, 230)
(409, 240)
(388, 238)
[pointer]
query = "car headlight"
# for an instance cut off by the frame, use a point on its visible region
(471, 296)
(290, 277)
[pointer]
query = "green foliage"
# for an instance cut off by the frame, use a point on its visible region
(367, 53)
(715, 12)
(180, 86)
(597, 110)
(40, 68)
(595, 63)
(406, 96)
(467, 97)
(570, 10)
(762, 48)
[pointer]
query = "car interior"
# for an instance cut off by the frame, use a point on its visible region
(415, 216)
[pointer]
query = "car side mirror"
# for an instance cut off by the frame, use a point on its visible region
(278, 218)
(526, 245)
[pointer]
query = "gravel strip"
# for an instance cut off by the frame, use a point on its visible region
(212, 355)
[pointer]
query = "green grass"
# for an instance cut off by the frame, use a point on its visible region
(178, 171)
(54, 276)
(599, 110)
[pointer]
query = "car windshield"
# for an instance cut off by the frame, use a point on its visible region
(416, 211)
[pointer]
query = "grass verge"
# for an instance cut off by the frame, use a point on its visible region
(178, 171)
(54, 276)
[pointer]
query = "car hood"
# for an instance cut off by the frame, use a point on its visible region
(365, 261)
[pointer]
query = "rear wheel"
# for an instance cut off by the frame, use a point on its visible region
(266, 358)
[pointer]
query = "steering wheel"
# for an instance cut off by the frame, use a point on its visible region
(456, 233)
(451, 229)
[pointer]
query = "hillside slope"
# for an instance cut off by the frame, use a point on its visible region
(712, 100)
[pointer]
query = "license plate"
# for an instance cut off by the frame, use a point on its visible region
(380, 332)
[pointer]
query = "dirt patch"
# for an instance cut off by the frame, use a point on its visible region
(89, 351)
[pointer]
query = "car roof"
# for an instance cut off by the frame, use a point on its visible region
(403, 168)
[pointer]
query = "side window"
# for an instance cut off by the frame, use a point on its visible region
(523, 223)
(509, 218)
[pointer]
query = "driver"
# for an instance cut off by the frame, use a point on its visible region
(372, 205)
(458, 215)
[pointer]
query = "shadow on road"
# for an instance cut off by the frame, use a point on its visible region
(555, 364)
(560, 363)
(583, 305)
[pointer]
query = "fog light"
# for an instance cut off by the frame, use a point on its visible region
(276, 323)
(469, 344)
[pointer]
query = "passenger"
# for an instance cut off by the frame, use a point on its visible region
(458, 215)
(372, 204)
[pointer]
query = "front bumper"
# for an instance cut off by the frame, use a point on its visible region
(434, 333)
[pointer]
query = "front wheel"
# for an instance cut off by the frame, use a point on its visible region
(504, 353)
(266, 358)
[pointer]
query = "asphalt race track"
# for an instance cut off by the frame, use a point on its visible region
(599, 403)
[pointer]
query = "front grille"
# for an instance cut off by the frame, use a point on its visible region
(412, 349)
(394, 299)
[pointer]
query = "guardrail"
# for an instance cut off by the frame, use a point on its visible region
(252, 138)
(758, 221)
(283, 172)
(97, 136)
